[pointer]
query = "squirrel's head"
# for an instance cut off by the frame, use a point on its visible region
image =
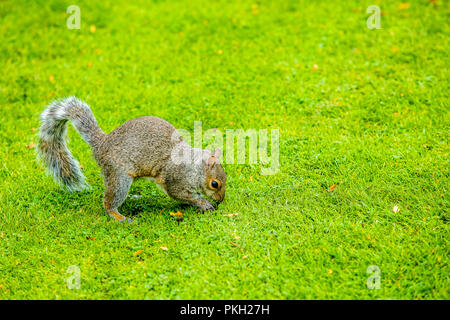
(215, 178)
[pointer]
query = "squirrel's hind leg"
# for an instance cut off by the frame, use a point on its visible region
(117, 186)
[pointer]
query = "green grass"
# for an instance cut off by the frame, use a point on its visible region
(373, 119)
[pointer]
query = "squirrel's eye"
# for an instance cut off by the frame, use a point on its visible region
(214, 184)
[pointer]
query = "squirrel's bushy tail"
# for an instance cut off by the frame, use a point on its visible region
(52, 149)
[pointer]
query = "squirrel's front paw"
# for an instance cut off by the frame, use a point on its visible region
(205, 205)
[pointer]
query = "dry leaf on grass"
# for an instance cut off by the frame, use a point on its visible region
(176, 214)
(91, 238)
(164, 248)
(229, 215)
(395, 209)
(334, 186)
(236, 245)
(137, 252)
(31, 145)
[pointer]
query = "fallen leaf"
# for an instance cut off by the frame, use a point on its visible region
(231, 214)
(164, 248)
(31, 145)
(330, 271)
(245, 257)
(92, 28)
(91, 238)
(157, 240)
(334, 186)
(403, 6)
(315, 67)
(234, 244)
(137, 252)
(176, 214)
(395, 209)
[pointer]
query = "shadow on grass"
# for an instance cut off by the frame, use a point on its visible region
(148, 205)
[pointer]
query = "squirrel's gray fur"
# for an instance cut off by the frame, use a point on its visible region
(142, 147)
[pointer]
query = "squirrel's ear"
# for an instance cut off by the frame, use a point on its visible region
(211, 162)
(217, 153)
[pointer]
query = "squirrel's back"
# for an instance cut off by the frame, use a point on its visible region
(140, 146)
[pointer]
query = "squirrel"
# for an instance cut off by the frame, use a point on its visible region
(142, 147)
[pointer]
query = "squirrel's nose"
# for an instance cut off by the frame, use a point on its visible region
(221, 197)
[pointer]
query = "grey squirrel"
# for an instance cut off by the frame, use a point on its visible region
(142, 147)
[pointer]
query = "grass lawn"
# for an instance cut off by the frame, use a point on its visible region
(364, 127)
